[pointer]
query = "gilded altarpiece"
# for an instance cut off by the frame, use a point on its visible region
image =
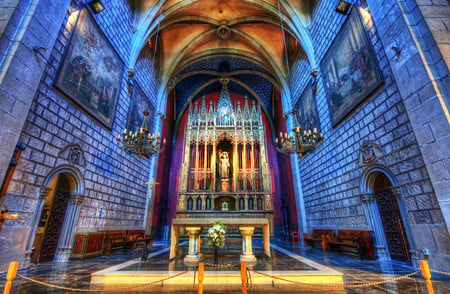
(225, 172)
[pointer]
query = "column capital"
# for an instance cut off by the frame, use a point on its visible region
(43, 192)
(367, 198)
(245, 231)
(396, 191)
(76, 199)
(193, 230)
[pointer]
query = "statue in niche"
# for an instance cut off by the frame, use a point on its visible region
(224, 165)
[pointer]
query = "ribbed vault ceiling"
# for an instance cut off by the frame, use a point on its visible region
(199, 41)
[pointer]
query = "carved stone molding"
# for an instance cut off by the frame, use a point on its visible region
(76, 199)
(396, 191)
(367, 198)
(43, 193)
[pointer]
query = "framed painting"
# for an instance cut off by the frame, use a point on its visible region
(91, 71)
(306, 107)
(139, 103)
(350, 69)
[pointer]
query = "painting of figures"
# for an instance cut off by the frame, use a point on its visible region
(349, 69)
(91, 71)
(139, 103)
(307, 115)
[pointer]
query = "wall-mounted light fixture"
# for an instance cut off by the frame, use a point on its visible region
(397, 50)
(71, 10)
(343, 7)
(96, 6)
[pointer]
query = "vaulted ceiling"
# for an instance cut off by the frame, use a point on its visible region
(199, 41)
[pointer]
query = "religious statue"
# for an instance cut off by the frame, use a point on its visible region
(224, 165)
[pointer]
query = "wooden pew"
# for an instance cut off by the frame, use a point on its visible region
(355, 242)
(115, 240)
(319, 236)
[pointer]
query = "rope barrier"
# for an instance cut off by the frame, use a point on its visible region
(99, 290)
(339, 285)
(222, 266)
(440, 272)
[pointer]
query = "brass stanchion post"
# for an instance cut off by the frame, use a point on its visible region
(12, 271)
(244, 277)
(201, 272)
(426, 275)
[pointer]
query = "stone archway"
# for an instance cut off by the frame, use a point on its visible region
(378, 184)
(59, 207)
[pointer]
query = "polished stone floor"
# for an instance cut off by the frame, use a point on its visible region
(76, 273)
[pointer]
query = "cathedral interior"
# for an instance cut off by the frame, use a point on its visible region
(314, 130)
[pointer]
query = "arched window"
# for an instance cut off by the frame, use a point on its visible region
(250, 203)
(190, 204)
(199, 203)
(259, 203)
(241, 203)
(208, 203)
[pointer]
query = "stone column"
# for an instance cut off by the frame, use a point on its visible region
(247, 255)
(68, 228)
(174, 241)
(193, 233)
(375, 224)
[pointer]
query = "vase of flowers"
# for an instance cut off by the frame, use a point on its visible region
(216, 238)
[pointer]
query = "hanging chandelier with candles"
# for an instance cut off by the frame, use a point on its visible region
(302, 143)
(141, 142)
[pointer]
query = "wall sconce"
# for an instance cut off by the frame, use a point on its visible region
(38, 49)
(343, 7)
(96, 6)
(397, 50)
(71, 10)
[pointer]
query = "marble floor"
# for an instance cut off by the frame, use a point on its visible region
(77, 273)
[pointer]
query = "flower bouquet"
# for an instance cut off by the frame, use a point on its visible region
(216, 237)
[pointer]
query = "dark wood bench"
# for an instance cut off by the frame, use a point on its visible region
(319, 236)
(116, 240)
(353, 241)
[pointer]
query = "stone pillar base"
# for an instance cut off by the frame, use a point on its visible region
(381, 253)
(248, 258)
(189, 259)
(62, 254)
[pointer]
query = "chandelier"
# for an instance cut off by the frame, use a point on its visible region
(302, 143)
(141, 142)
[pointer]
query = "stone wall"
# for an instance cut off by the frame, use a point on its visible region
(331, 176)
(437, 17)
(115, 184)
(8, 8)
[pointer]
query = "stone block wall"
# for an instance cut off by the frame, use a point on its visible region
(115, 184)
(331, 176)
(8, 8)
(436, 14)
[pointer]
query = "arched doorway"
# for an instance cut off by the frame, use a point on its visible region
(391, 218)
(57, 213)
(52, 218)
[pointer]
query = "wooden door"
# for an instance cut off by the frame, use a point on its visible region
(392, 225)
(56, 219)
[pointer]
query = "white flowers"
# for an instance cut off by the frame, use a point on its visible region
(216, 234)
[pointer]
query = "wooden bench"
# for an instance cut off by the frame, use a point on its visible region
(115, 240)
(353, 241)
(319, 236)
(290, 235)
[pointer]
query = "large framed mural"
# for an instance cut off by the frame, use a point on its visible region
(91, 71)
(139, 103)
(306, 107)
(349, 69)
